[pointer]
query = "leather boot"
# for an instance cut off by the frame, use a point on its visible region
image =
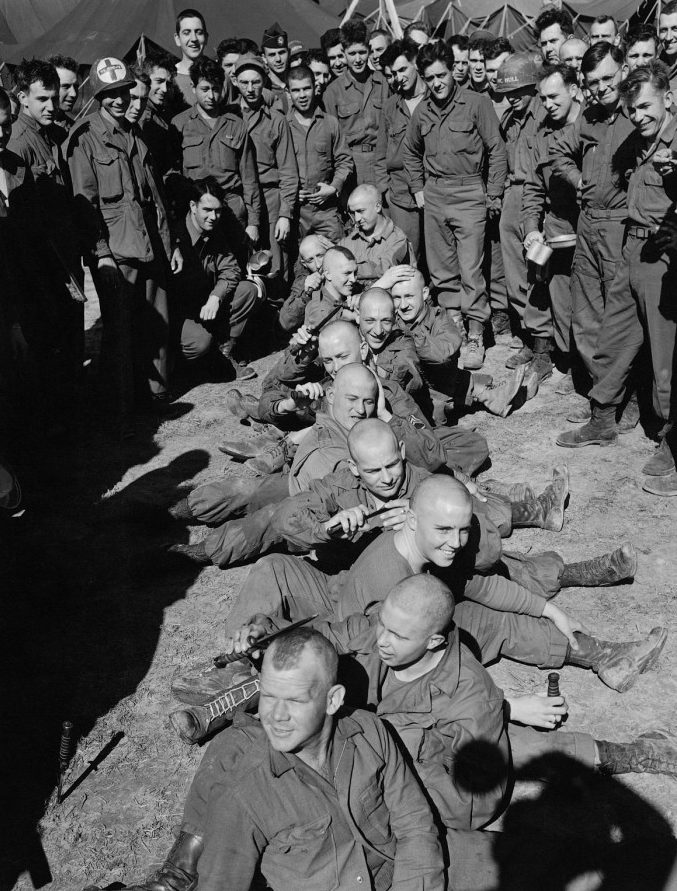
(498, 399)
(629, 417)
(252, 447)
(522, 357)
(652, 752)
(179, 871)
(512, 491)
(661, 463)
(243, 372)
(195, 723)
(181, 511)
(274, 458)
(542, 363)
(600, 430)
(242, 405)
(196, 553)
(618, 665)
(609, 569)
(546, 511)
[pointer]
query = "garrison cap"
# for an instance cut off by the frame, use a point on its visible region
(519, 70)
(249, 60)
(109, 74)
(274, 37)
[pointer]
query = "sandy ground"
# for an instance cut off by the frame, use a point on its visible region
(101, 626)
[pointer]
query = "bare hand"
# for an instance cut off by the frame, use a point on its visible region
(381, 408)
(564, 623)
(533, 237)
(313, 281)
(494, 206)
(402, 273)
(394, 517)
(252, 233)
(312, 391)
(323, 192)
(664, 162)
(301, 337)
(420, 200)
(349, 521)
(210, 309)
(538, 710)
(176, 263)
(243, 640)
(282, 229)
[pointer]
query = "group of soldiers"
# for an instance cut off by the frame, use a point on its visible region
(385, 209)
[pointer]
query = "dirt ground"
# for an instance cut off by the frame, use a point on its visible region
(99, 625)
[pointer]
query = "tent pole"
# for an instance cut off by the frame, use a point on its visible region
(351, 9)
(395, 25)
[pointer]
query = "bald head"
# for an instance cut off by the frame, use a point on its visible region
(339, 344)
(377, 458)
(442, 488)
(440, 519)
(427, 597)
(364, 206)
(571, 52)
(340, 271)
(312, 250)
(365, 192)
(353, 395)
(369, 436)
(376, 317)
(410, 298)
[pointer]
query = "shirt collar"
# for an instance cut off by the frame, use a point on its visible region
(382, 230)
(345, 727)
(193, 232)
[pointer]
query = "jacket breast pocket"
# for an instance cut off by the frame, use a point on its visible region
(430, 135)
(228, 154)
(303, 857)
(348, 109)
(192, 152)
(109, 177)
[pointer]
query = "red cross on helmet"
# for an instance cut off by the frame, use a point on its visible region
(109, 73)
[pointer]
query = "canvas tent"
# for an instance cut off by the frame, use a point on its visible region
(96, 28)
(29, 19)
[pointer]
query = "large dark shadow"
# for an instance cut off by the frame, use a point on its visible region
(83, 601)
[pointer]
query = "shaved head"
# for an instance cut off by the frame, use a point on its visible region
(312, 243)
(339, 328)
(365, 192)
(440, 488)
(377, 317)
(377, 458)
(340, 271)
(364, 206)
(353, 395)
(440, 519)
(424, 597)
(375, 296)
(339, 344)
(369, 435)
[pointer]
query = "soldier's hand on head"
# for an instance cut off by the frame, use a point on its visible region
(244, 639)
(347, 522)
(282, 229)
(538, 710)
(401, 273)
(323, 192)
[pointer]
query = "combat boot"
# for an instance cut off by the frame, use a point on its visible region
(618, 665)
(665, 486)
(546, 511)
(498, 399)
(523, 356)
(242, 405)
(600, 430)
(500, 325)
(196, 722)
(661, 462)
(542, 363)
(252, 447)
(512, 491)
(243, 372)
(652, 752)
(472, 353)
(274, 458)
(181, 510)
(599, 572)
(179, 871)
(629, 417)
(196, 553)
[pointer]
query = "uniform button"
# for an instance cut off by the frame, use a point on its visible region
(359, 880)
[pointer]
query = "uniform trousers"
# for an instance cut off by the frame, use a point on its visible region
(196, 336)
(492, 267)
(514, 262)
(324, 220)
(410, 221)
(599, 247)
(641, 301)
(548, 312)
(278, 277)
(454, 219)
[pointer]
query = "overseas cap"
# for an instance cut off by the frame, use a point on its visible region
(249, 60)
(519, 70)
(109, 74)
(274, 37)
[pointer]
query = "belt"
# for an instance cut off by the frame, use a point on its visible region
(363, 147)
(641, 232)
(595, 213)
(456, 179)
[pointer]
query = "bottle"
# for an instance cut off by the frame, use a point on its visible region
(553, 684)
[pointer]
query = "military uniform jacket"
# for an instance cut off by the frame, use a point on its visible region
(596, 153)
(275, 158)
(391, 171)
(549, 200)
(224, 152)
(455, 139)
(652, 198)
(519, 134)
(320, 305)
(321, 151)
(387, 246)
(438, 344)
(162, 140)
(370, 827)
(357, 108)
(209, 266)
(438, 717)
(116, 193)
(398, 361)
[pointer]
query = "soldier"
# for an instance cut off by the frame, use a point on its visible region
(593, 156)
(399, 60)
(641, 45)
(317, 61)
(277, 170)
(552, 27)
(571, 54)
(379, 41)
(458, 43)
(333, 48)
(138, 95)
(478, 42)
(550, 212)
(69, 89)
(438, 345)
(452, 135)
(275, 48)
(339, 276)
(227, 53)
(667, 34)
(375, 242)
(517, 80)
(309, 279)
(211, 299)
(191, 38)
(604, 27)
(356, 98)
(159, 136)
(216, 143)
(322, 155)
(636, 300)
(124, 226)
(59, 323)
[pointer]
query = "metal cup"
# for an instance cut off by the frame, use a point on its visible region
(539, 253)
